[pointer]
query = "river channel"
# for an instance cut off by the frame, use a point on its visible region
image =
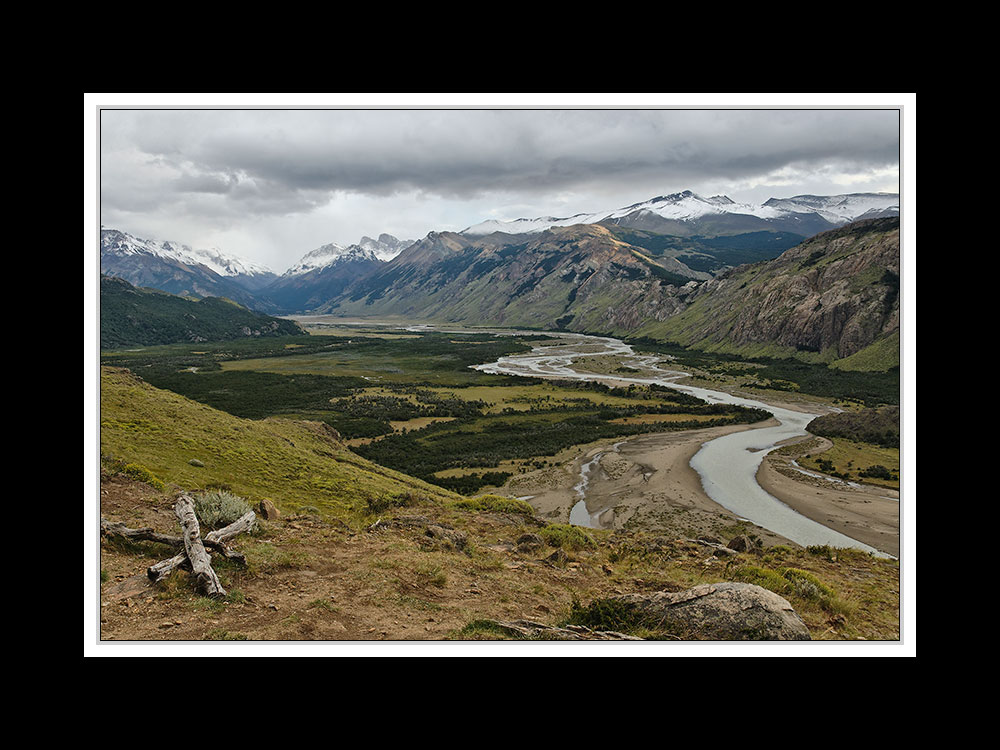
(727, 465)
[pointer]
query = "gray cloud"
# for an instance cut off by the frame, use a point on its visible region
(242, 165)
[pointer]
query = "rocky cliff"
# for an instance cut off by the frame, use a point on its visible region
(831, 297)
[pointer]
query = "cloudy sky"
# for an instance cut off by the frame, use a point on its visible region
(271, 184)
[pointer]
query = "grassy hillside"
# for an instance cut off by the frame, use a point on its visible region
(133, 316)
(296, 464)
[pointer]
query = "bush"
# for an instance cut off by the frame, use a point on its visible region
(218, 509)
(385, 501)
(140, 473)
(566, 536)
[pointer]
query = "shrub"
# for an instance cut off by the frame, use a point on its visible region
(566, 536)
(763, 577)
(220, 508)
(140, 473)
(385, 501)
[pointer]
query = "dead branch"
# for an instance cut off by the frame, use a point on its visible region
(205, 577)
(243, 524)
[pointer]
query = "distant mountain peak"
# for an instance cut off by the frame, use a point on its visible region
(688, 208)
(117, 242)
(385, 248)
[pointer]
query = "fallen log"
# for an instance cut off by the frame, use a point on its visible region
(206, 580)
(147, 534)
(244, 523)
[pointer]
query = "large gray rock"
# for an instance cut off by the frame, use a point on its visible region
(722, 612)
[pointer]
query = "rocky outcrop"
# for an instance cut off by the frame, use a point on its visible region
(720, 612)
(834, 294)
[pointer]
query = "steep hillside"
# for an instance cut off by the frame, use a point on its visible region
(578, 278)
(131, 316)
(833, 297)
(296, 464)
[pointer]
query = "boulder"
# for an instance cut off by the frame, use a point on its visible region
(722, 612)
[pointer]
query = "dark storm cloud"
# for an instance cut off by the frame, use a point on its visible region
(292, 161)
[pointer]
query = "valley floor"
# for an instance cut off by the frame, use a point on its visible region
(648, 483)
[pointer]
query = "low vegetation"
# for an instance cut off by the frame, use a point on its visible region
(354, 555)
(133, 316)
(876, 426)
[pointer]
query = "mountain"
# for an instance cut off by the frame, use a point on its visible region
(835, 297)
(132, 316)
(385, 248)
(320, 276)
(328, 270)
(832, 298)
(179, 269)
(687, 214)
(579, 277)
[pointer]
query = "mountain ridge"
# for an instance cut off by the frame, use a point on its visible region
(687, 212)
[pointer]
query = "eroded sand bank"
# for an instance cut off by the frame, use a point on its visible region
(867, 513)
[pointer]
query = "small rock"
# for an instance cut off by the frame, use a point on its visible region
(741, 543)
(267, 510)
(529, 542)
(452, 536)
(195, 462)
(558, 557)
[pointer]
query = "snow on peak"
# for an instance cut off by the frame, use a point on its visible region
(689, 206)
(838, 209)
(117, 242)
(385, 248)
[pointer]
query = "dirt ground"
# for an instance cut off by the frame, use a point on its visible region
(322, 581)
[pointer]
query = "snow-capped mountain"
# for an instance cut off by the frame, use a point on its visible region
(179, 269)
(385, 248)
(840, 209)
(114, 242)
(321, 256)
(687, 211)
(328, 270)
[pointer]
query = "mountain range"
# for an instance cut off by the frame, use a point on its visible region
(651, 268)
(687, 214)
